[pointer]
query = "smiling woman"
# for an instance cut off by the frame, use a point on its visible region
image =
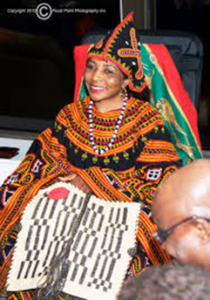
(109, 143)
(106, 84)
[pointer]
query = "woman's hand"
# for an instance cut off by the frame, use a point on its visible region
(77, 181)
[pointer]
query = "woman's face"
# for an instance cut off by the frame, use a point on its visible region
(104, 81)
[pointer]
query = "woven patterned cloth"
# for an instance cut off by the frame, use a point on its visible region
(97, 234)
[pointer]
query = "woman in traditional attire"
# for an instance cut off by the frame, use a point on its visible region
(110, 143)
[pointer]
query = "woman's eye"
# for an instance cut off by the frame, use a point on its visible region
(108, 71)
(89, 66)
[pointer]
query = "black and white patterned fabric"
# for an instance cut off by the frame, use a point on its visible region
(99, 255)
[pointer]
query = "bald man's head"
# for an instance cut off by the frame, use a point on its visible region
(185, 195)
(189, 186)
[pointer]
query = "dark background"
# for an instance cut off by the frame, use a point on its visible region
(37, 69)
(193, 17)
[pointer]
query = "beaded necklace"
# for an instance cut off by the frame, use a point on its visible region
(99, 151)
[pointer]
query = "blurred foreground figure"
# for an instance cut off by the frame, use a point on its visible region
(168, 283)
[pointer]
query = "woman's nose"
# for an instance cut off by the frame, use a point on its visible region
(97, 75)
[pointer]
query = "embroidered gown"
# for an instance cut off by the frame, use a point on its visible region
(141, 156)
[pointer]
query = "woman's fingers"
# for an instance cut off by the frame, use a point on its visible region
(81, 184)
(67, 178)
(76, 181)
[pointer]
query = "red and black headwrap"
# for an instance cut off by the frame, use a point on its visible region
(121, 48)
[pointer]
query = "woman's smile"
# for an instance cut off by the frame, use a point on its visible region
(96, 89)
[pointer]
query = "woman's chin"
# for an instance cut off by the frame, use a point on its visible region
(96, 98)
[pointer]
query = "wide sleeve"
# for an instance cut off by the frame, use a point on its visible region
(156, 161)
(44, 162)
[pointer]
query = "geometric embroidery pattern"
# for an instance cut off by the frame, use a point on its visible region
(98, 259)
(154, 174)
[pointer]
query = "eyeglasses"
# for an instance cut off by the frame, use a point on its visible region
(161, 235)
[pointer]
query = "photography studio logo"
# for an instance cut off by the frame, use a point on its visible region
(44, 11)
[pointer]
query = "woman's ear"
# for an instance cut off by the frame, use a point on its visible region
(126, 82)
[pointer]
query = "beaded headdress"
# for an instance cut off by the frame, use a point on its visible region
(121, 48)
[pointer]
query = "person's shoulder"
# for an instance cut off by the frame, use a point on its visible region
(71, 107)
(143, 106)
(145, 114)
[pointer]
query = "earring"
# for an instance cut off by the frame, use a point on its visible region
(124, 93)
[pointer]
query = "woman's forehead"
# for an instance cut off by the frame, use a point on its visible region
(102, 62)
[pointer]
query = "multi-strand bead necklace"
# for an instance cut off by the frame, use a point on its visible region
(99, 151)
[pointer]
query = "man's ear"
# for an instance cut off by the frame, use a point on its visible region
(203, 230)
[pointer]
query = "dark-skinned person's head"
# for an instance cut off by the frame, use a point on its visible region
(168, 282)
(114, 70)
(181, 211)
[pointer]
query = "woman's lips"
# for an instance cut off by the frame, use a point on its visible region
(95, 88)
